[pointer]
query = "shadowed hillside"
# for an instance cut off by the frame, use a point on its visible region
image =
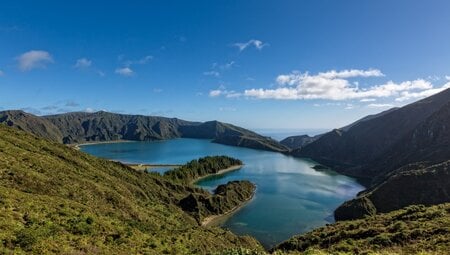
(397, 152)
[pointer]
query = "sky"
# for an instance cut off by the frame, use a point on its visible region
(256, 64)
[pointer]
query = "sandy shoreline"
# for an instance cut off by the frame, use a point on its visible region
(143, 167)
(77, 145)
(223, 171)
(215, 220)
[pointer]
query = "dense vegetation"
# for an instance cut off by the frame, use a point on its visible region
(226, 198)
(410, 230)
(202, 167)
(412, 184)
(79, 127)
(413, 230)
(54, 199)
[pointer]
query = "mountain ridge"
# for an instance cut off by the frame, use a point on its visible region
(80, 127)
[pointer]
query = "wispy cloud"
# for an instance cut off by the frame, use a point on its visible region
(224, 92)
(125, 71)
(83, 63)
(367, 100)
(34, 59)
(380, 105)
(127, 65)
(141, 61)
(212, 73)
(253, 42)
(2, 73)
(216, 69)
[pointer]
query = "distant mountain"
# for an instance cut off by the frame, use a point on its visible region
(380, 142)
(79, 127)
(298, 141)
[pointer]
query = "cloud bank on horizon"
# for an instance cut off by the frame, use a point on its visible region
(338, 86)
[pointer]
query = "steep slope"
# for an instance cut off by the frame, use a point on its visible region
(79, 127)
(368, 117)
(54, 200)
(413, 230)
(355, 150)
(428, 142)
(412, 184)
(32, 124)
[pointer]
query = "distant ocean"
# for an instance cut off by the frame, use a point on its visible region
(280, 134)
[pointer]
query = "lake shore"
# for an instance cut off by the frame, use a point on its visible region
(77, 145)
(215, 220)
(143, 167)
(220, 172)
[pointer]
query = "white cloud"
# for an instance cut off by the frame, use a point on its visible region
(380, 105)
(227, 66)
(335, 85)
(127, 64)
(1, 73)
(223, 92)
(90, 110)
(217, 69)
(212, 73)
(215, 93)
(101, 73)
(83, 63)
(125, 71)
(34, 59)
(141, 61)
(367, 100)
(406, 95)
(253, 42)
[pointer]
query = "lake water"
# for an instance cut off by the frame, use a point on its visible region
(291, 197)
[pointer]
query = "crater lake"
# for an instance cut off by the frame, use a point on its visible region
(291, 197)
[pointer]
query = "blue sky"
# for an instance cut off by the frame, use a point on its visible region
(257, 64)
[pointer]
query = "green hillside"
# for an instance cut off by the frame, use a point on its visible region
(411, 230)
(54, 199)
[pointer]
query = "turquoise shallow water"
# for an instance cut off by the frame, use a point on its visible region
(291, 196)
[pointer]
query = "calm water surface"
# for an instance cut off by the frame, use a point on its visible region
(291, 197)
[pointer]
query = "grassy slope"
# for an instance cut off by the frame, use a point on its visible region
(54, 199)
(411, 230)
